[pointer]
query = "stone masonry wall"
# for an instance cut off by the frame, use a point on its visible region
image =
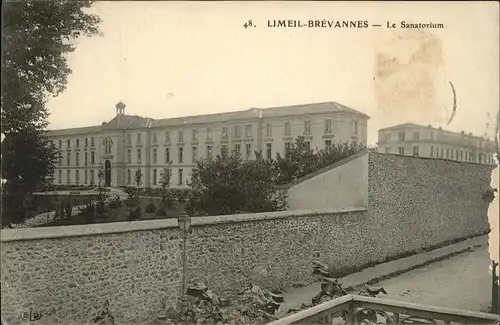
(413, 203)
(136, 271)
(275, 252)
(421, 202)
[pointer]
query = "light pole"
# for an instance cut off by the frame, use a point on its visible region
(184, 221)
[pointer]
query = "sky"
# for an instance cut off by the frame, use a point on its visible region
(169, 59)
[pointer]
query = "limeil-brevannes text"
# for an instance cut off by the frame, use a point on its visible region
(327, 23)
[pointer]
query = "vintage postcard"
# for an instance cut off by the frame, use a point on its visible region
(239, 162)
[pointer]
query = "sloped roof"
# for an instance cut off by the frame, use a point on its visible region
(309, 109)
(403, 126)
(208, 118)
(82, 130)
(119, 122)
(122, 122)
(415, 126)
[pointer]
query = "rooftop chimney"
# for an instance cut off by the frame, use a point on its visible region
(120, 108)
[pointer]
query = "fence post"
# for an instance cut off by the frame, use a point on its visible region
(495, 292)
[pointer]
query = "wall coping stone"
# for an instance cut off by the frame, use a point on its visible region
(235, 218)
(19, 234)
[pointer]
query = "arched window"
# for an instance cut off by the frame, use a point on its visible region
(108, 144)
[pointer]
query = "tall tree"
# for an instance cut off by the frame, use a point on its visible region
(36, 36)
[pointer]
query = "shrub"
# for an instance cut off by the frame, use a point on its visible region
(169, 198)
(227, 184)
(130, 202)
(59, 212)
(129, 189)
(101, 200)
(134, 213)
(115, 202)
(88, 212)
(67, 210)
(182, 195)
(151, 207)
(132, 199)
(160, 211)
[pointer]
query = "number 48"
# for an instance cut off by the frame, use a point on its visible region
(248, 24)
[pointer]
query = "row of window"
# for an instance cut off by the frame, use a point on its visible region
(209, 152)
(236, 132)
(88, 178)
(269, 152)
(156, 176)
(77, 159)
(108, 144)
(402, 136)
(77, 143)
(180, 152)
(416, 137)
(454, 154)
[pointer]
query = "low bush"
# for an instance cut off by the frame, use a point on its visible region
(151, 207)
(134, 213)
(182, 193)
(88, 212)
(130, 202)
(160, 211)
(115, 202)
(169, 199)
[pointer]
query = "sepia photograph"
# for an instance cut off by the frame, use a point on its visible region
(250, 162)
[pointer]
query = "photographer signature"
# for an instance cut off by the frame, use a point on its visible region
(35, 315)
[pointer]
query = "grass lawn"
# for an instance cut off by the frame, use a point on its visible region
(42, 203)
(121, 214)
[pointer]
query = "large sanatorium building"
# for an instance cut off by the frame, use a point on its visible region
(130, 142)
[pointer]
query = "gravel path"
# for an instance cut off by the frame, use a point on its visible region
(294, 297)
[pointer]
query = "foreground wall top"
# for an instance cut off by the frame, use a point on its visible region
(8, 235)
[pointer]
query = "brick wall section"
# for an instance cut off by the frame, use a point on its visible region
(413, 203)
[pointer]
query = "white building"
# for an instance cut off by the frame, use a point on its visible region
(426, 141)
(127, 143)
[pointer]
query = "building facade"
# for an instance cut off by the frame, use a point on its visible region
(127, 143)
(426, 141)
